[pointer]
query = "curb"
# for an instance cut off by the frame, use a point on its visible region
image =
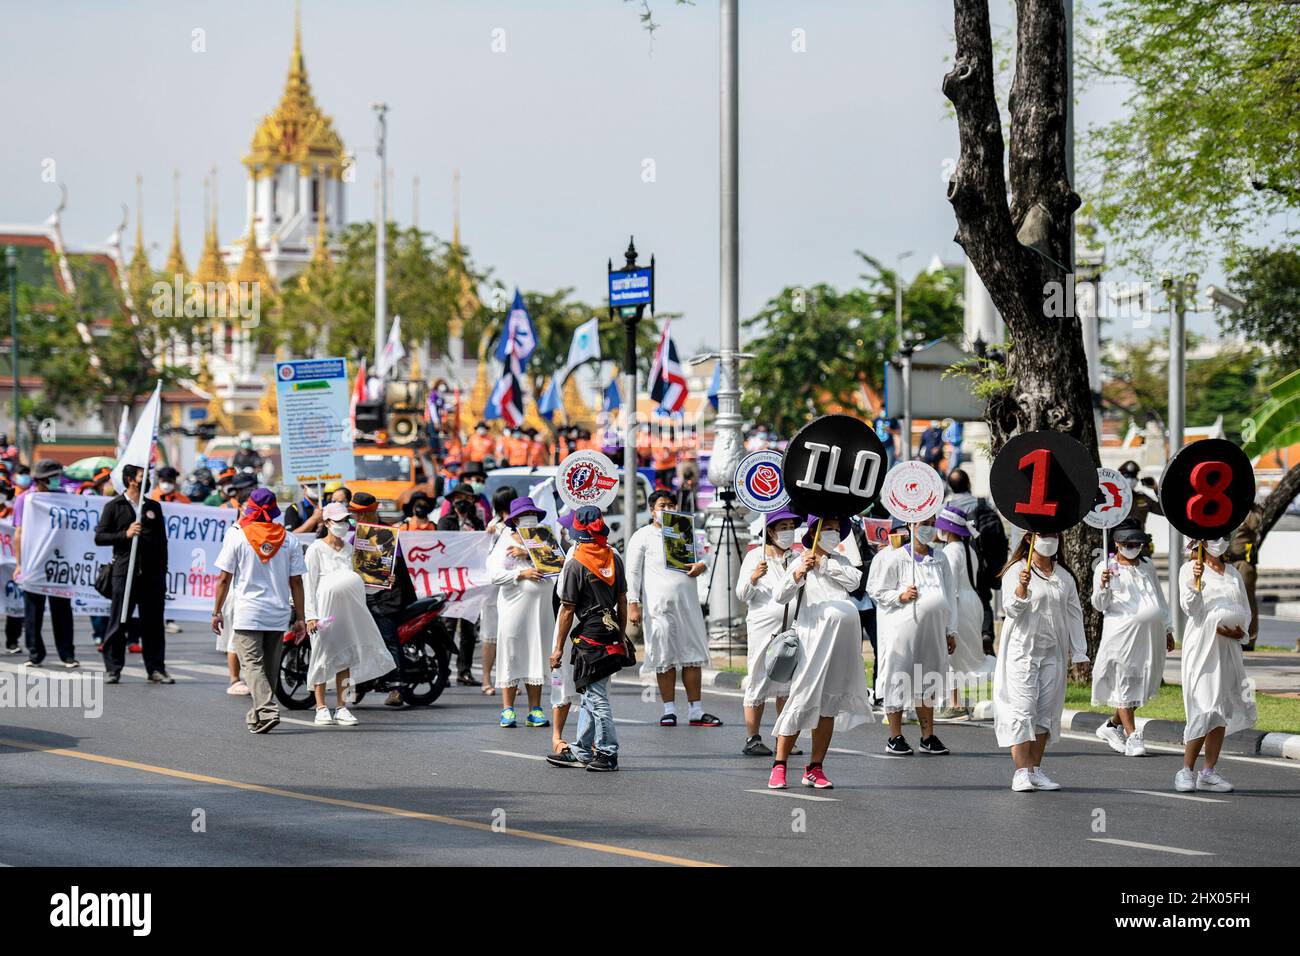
(1253, 743)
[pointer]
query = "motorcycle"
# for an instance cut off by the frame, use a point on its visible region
(426, 648)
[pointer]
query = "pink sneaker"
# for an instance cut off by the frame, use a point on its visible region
(813, 777)
(777, 780)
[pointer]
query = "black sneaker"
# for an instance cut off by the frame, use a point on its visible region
(897, 747)
(264, 726)
(565, 758)
(114, 678)
(754, 747)
(603, 763)
(932, 745)
(13, 649)
(161, 677)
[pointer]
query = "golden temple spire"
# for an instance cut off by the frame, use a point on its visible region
(211, 267)
(252, 267)
(139, 269)
(176, 258)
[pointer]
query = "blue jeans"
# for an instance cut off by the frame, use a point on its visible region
(596, 723)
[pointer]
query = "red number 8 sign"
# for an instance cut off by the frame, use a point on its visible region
(1207, 488)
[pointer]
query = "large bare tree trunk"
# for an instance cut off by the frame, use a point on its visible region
(1021, 248)
(1278, 499)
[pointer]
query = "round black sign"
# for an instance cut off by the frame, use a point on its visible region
(1044, 481)
(834, 467)
(1207, 488)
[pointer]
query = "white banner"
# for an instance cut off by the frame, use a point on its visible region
(14, 605)
(60, 557)
(453, 563)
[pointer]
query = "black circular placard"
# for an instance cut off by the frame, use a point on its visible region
(834, 467)
(1207, 488)
(1043, 481)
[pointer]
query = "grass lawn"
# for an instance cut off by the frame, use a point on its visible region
(1276, 714)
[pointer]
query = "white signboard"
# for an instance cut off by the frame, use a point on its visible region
(313, 403)
(1116, 500)
(453, 563)
(912, 492)
(14, 606)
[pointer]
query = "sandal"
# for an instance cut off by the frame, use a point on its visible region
(467, 680)
(668, 720)
(706, 720)
(489, 690)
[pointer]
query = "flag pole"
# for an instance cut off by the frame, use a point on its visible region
(139, 508)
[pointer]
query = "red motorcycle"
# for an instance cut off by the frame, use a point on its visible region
(426, 649)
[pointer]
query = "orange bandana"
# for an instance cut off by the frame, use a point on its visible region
(264, 537)
(597, 559)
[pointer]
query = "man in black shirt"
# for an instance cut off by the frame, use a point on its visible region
(117, 528)
(593, 614)
(386, 605)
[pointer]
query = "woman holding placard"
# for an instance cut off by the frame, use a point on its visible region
(1041, 603)
(968, 659)
(761, 574)
(1136, 634)
(828, 691)
(1216, 692)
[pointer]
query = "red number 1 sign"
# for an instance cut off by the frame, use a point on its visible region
(1040, 460)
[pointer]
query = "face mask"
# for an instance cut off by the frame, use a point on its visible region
(56, 482)
(1046, 546)
(167, 487)
(24, 481)
(785, 539)
(1217, 547)
(1130, 552)
(925, 534)
(527, 521)
(340, 529)
(829, 540)
(421, 511)
(478, 487)
(480, 431)
(1132, 481)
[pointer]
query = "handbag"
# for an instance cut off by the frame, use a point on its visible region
(785, 653)
(104, 581)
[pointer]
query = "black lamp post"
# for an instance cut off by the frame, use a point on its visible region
(11, 264)
(631, 289)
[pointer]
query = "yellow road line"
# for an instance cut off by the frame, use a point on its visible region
(356, 805)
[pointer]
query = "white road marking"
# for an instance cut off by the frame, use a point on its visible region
(859, 753)
(629, 720)
(1170, 749)
(795, 796)
(306, 723)
(511, 753)
(211, 669)
(1176, 796)
(1149, 846)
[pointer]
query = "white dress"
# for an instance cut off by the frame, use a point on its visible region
(912, 638)
(1131, 657)
(525, 617)
(762, 621)
(563, 690)
(830, 680)
(672, 618)
(969, 657)
(1216, 692)
(1034, 657)
(347, 638)
(487, 620)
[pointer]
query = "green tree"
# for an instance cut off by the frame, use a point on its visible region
(1269, 281)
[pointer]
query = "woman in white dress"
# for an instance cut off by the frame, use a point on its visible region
(1041, 635)
(761, 574)
(346, 646)
(1217, 697)
(1136, 633)
(968, 662)
(916, 632)
(487, 621)
(828, 691)
(525, 617)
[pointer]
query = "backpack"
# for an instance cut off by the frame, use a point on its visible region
(990, 544)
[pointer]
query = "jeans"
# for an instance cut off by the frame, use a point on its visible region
(596, 723)
(61, 613)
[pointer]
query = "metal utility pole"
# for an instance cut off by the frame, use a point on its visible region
(11, 265)
(1177, 288)
(905, 351)
(381, 233)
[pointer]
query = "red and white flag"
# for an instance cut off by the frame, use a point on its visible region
(667, 380)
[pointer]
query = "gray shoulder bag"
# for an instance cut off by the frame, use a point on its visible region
(786, 650)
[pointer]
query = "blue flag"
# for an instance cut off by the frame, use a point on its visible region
(714, 384)
(612, 398)
(551, 399)
(519, 337)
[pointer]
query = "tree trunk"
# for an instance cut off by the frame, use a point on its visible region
(1021, 248)
(1275, 504)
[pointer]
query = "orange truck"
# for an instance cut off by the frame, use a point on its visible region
(384, 471)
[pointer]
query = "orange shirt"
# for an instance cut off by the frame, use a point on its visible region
(174, 497)
(536, 453)
(479, 447)
(665, 457)
(452, 450)
(516, 451)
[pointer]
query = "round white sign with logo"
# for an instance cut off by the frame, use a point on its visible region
(912, 492)
(758, 482)
(587, 478)
(1114, 500)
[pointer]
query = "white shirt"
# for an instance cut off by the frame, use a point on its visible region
(260, 591)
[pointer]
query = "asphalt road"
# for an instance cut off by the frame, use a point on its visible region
(169, 776)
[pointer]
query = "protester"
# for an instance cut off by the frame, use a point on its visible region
(13, 622)
(487, 621)
(262, 565)
(346, 645)
(1136, 632)
(916, 612)
(471, 484)
(480, 444)
(1146, 501)
(1243, 554)
(828, 691)
(304, 514)
(46, 477)
(1216, 700)
(221, 490)
(246, 457)
(675, 636)
(118, 528)
(386, 604)
(967, 660)
(463, 515)
(930, 449)
(525, 620)
(594, 610)
(1041, 601)
(166, 489)
(761, 574)
(991, 546)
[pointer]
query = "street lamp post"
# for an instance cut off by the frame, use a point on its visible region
(905, 350)
(631, 289)
(381, 234)
(11, 265)
(1177, 288)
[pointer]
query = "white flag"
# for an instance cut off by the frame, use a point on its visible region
(139, 447)
(585, 345)
(124, 430)
(393, 351)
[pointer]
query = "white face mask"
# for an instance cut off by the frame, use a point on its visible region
(1217, 547)
(785, 539)
(925, 534)
(527, 521)
(829, 540)
(1047, 547)
(166, 487)
(340, 529)
(1130, 552)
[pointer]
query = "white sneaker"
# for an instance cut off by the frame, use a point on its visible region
(1211, 780)
(323, 716)
(1022, 782)
(1113, 736)
(1185, 781)
(1042, 781)
(344, 716)
(1134, 747)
